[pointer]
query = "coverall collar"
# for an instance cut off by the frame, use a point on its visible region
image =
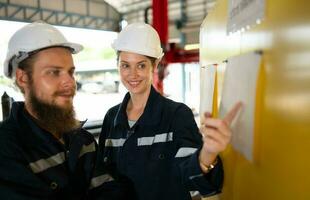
(151, 114)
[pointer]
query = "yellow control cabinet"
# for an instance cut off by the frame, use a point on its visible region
(281, 166)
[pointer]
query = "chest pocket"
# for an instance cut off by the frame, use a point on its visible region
(162, 152)
(160, 145)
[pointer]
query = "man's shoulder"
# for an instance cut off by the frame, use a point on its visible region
(11, 125)
(86, 134)
(10, 143)
(8, 129)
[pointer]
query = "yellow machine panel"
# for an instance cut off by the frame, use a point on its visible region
(280, 169)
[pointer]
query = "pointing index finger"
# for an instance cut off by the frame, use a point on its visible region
(232, 113)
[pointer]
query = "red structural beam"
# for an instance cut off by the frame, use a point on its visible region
(160, 23)
(172, 53)
(160, 19)
(177, 55)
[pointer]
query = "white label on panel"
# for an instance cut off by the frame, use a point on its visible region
(242, 14)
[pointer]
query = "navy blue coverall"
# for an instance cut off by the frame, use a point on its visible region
(159, 154)
(35, 165)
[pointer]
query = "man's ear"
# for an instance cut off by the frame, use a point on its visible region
(22, 78)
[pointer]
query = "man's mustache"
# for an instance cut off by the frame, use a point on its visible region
(70, 92)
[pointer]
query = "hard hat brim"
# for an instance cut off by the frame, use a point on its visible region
(153, 54)
(76, 48)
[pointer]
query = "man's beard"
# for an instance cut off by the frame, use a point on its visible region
(53, 118)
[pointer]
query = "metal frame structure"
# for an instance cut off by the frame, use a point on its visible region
(84, 17)
(184, 16)
(195, 10)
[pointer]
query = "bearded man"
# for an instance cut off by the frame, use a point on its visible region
(44, 152)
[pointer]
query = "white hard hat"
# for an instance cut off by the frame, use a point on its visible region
(32, 37)
(139, 38)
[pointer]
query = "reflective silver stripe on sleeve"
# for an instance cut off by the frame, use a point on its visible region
(194, 193)
(195, 176)
(114, 142)
(185, 151)
(87, 149)
(99, 180)
(43, 164)
(164, 137)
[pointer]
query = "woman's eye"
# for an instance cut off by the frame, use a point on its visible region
(141, 66)
(124, 66)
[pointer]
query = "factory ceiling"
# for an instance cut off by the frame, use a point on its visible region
(185, 16)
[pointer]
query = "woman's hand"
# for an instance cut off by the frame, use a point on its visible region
(216, 136)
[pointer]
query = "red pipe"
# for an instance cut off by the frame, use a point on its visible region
(160, 23)
(173, 54)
